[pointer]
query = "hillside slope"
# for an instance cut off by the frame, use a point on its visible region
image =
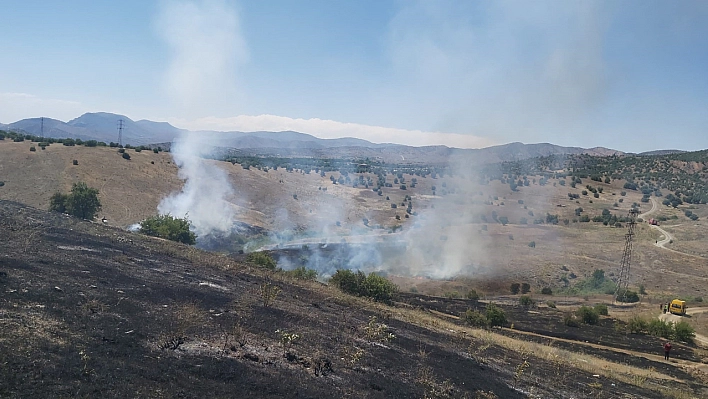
(92, 311)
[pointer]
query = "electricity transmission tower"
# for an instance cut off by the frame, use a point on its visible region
(623, 277)
(120, 132)
(41, 130)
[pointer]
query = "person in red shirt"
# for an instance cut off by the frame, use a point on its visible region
(667, 350)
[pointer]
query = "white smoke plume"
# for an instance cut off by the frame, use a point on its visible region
(204, 199)
(206, 45)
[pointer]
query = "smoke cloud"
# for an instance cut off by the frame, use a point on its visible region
(207, 196)
(206, 48)
(206, 45)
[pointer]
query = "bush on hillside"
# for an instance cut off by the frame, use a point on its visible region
(169, 228)
(684, 332)
(495, 315)
(660, 328)
(302, 273)
(588, 315)
(475, 318)
(601, 309)
(372, 286)
(526, 301)
(472, 294)
(628, 296)
(82, 203)
(262, 258)
(637, 325)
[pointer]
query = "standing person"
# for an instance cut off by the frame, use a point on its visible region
(667, 350)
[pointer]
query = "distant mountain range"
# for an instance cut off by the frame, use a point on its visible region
(103, 126)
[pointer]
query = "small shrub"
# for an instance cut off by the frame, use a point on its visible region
(525, 288)
(82, 203)
(377, 332)
(302, 273)
(269, 293)
(546, 291)
(637, 325)
(473, 295)
(372, 286)
(262, 258)
(514, 288)
(126, 156)
(628, 296)
(476, 318)
(532, 244)
(287, 340)
(169, 228)
(684, 332)
(75, 162)
(526, 301)
(495, 315)
(570, 320)
(33, 149)
(588, 315)
(551, 304)
(601, 309)
(2, 183)
(660, 328)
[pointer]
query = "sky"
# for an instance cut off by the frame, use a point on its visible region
(627, 75)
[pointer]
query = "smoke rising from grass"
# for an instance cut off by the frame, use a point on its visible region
(206, 45)
(206, 194)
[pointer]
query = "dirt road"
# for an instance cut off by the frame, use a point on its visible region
(667, 237)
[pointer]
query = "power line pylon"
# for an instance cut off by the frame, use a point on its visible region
(41, 130)
(623, 277)
(120, 132)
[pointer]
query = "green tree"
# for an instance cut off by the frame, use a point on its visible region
(684, 332)
(169, 228)
(525, 288)
(476, 318)
(57, 203)
(495, 315)
(372, 286)
(526, 301)
(588, 315)
(515, 288)
(82, 203)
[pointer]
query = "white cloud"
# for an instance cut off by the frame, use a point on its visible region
(207, 47)
(328, 129)
(17, 106)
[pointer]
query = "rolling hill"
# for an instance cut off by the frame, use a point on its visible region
(104, 127)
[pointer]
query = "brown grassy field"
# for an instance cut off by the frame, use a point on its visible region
(487, 256)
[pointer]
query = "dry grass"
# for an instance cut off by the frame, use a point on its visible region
(563, 359)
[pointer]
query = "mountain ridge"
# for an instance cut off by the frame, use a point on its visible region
(103, 126)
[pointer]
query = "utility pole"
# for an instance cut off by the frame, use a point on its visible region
(120, 132)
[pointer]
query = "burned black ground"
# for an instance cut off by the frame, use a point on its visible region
(88, 311)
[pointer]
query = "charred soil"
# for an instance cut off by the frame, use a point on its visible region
(88, 310)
